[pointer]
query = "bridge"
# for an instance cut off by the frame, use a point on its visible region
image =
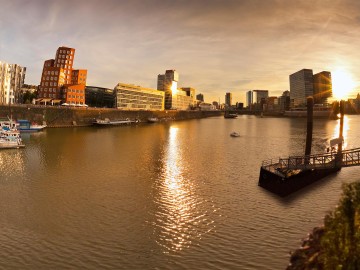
(345, 158)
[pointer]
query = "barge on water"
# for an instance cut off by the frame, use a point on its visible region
(288, 175)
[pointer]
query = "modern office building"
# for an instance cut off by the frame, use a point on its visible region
(168, 83)
(200, 97)
(322, 87)
(60, 82)
(228, 99)
(301, 87)
(284, 101)
(12, 77)
(260, 96)
(175, 99)
(249, 99)
(181, 100)
(132, 97)
(99, 97)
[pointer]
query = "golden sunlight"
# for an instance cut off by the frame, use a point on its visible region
(342, 84)
(174, 87)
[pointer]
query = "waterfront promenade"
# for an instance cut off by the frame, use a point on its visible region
(61, 116)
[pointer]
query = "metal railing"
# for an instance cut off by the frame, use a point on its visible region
(346, 158)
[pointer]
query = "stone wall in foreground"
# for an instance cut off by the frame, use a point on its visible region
(55, 116)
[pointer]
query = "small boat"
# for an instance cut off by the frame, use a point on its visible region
(230, 115)
(10, 139)
(234, 134)
(152, 120)
(8, 124)
(108, 122)
(26, 126)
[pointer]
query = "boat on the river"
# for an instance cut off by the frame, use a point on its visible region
(26, 126)
(228, 114)
(153, 120)
(108, 122)
(287, 175)
(235, 134)
(10, 138)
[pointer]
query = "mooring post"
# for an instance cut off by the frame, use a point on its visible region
(309, 126)
(342, 109)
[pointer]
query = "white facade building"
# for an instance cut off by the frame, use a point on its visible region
(133, 97)
(12, 78)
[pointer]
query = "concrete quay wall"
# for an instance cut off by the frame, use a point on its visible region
(60, 116)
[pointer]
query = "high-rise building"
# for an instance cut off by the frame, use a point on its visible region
(322, 87)
(301, 87)
(228, 99)
(12, 77)
(200, 97)
(259, 99)
(249, 99)
(59, 82)
(260, 96)
(168, 83)
(284, 101)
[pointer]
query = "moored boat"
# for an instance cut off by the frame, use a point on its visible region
(153, 119)
(10, 138)
(26, 126)
(230, 115)
(108, 122)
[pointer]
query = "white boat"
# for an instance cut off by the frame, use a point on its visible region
(234, 134)
(8, 124)
(26, 126)
(10, 139)
(152, 120)
(108, 122)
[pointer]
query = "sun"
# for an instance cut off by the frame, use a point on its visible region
(342, 84)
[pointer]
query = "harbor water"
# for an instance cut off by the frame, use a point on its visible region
(174, 195)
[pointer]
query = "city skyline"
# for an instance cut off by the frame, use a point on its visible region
(223, 46)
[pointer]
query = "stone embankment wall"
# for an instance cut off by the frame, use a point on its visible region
(59, 116)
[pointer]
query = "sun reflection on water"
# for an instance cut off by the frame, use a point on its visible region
(179, 217)
(336, 132)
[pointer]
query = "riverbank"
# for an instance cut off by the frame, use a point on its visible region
(335, 245)
(60, 116)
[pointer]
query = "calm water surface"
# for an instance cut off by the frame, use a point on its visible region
(180, 195)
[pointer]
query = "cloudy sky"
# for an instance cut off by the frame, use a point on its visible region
(217, 46)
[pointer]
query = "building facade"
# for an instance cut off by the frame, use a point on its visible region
(249, 99)
(322, 87)
(200, 97)
(301, 87)
(99, 97)
(60, 82)
(284, 101)
(168, 83)
(12, 77)
(132, 97)
(228, 99)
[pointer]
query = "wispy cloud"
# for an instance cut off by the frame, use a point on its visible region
(216, 46)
